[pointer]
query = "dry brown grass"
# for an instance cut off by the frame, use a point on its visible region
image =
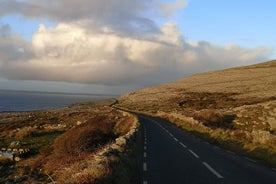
(86, 137)
(74, 148)
(210, 117)
(68, 145)
(234, 108)
(77, 156)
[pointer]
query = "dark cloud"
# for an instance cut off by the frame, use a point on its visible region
(168, 9)
(120, 15)
(5, 31)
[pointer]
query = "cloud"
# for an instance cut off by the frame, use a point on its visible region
(12, 48)
(5, 31)
(123, 16)
(168, 9)
(108, 43)
(71, 53)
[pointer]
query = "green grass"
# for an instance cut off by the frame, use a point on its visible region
(34, 143)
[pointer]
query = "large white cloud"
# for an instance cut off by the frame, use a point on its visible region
(71, 53)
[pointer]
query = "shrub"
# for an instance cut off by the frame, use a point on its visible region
(5, 166)
(215, 119)
(25, 132)
(241, 136)
(4, 162)
(210, 117)
(86, 137)
(123, 125)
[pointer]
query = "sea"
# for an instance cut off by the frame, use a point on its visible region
(14, 101)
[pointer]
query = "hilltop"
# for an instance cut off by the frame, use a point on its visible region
(235, 107)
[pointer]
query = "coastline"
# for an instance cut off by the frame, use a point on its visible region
(24, 101)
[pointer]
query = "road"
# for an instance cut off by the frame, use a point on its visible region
(172, 156)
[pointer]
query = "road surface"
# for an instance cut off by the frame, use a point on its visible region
(172, 156)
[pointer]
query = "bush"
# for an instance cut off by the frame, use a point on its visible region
(25, 132)
(215, 119)
(123, 125)
(4, 162)
(86, 137)
(210, 117)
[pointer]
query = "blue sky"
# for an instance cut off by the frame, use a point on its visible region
(25, 27)
(95, 45)
(249, 23)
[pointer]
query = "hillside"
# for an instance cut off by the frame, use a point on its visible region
(236, 106)
(84, 143)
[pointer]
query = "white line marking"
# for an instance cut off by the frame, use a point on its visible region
(145, 147)
(251, 160)
(212, 170)
(145, 155)
(171, 134)
(183, 145)
(145, 143)
(176, 139)
(145, 166)
(193, 153)
(145, 182)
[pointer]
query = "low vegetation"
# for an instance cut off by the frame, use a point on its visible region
(234, 108)
(86, 143)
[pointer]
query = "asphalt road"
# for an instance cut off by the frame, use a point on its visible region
(172, 156)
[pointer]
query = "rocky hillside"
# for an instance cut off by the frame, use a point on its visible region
(235, 108)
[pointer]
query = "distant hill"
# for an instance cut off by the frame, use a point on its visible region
(234, 108)
(250, 90)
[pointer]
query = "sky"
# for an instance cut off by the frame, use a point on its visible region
(114, 47)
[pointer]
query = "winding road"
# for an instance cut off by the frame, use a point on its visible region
(172, 156)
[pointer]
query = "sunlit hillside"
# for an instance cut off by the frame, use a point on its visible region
(235, 105)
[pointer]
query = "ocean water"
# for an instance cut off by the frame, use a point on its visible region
(29, 101)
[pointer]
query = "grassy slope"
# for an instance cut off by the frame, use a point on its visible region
(235, 108)
(77, 144)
